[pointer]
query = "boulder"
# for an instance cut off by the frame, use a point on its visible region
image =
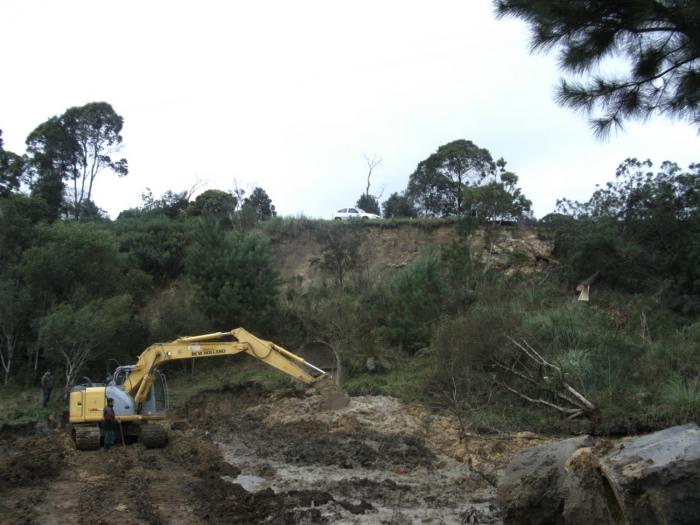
(653, 479)
(532, 488)
(656, 478)
(587, 496)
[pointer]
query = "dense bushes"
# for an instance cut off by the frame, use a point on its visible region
(77, 295)
(233, 275)
(641, 232)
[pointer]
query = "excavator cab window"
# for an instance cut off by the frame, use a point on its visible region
(160, 393)
(120, 375)
(157, 402)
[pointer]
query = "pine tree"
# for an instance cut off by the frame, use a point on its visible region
(660, 39)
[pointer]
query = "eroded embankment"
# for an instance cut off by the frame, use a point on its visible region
(385, 247)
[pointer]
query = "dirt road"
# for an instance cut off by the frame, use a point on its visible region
(248, 456)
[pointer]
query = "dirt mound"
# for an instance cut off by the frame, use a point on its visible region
(30, 459)
(194, 452)
(224, 502)
(376, 458)
(44, 480)
(369, 488)
(309, 443)
(361, 449)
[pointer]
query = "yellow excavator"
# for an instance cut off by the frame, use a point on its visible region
(140, 391)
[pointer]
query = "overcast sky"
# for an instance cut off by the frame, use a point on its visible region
(290, 96)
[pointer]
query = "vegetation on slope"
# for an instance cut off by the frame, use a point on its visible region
(82, 293)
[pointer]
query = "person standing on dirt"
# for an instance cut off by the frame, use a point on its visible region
(46, 386)
(109, 422)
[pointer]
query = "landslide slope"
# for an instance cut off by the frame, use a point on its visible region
(387, 246)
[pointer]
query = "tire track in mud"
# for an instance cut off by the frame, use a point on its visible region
(107, 500)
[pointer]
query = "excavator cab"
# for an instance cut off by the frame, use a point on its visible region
(156, 404)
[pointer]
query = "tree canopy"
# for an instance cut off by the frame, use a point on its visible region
(659, 39)
(72, 262)
(233, 275)
(398, 205)
(438, 183)
(640, 232)
(221, 204)
(461, 179)
(72, 337)
(369, 203)
(259, 201)
(74, 148)
(498, 199)
(11, 169)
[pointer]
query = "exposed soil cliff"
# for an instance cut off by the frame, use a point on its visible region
(385, 248)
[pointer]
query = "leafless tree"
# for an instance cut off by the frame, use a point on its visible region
(372, 162)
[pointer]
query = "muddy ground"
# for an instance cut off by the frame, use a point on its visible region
(248, 456)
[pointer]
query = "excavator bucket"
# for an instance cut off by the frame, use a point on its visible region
(332, 397)
(323, 356)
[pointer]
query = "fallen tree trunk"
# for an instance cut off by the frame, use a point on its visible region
(533, 372)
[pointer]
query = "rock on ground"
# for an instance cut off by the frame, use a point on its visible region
(532, 488)
(653, 479)
(656, 478)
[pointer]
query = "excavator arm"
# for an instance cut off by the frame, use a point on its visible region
(142, 376)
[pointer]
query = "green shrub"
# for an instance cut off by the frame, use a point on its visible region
(417, 297)
(576, 365)
(234, 277)
(566, 325)
(682, 397)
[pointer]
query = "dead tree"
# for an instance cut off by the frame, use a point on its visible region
(371, 164)
(531, 377)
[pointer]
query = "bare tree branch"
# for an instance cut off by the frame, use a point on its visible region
(372, 163)
(542, 401)
(557, 388)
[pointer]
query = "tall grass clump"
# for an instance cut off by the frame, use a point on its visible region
(681, 398)
(288, 228)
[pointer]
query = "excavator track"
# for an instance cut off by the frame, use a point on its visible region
(87, 437)
(153, 436)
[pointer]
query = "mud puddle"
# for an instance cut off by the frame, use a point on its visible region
(360, 469)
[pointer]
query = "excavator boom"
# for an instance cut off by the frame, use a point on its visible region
(142, 375)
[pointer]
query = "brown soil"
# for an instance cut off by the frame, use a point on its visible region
(247, 456)
(386, 249)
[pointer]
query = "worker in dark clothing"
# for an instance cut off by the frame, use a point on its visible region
(46, 386)
(109, 423)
